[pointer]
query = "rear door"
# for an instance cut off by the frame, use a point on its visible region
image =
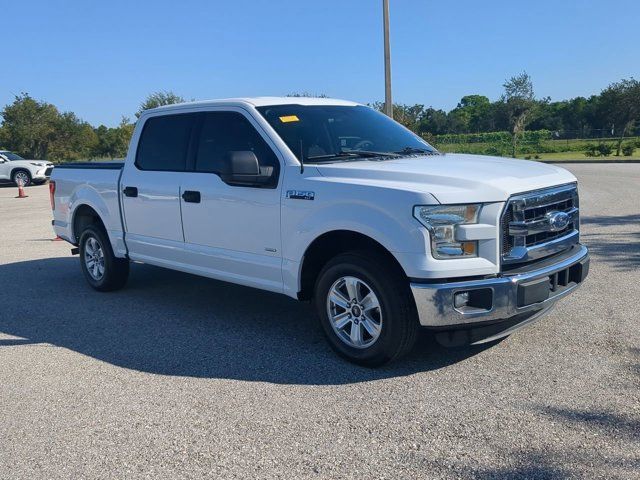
(232, 232)
(150, 189)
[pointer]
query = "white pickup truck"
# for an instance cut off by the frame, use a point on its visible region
(330, 201)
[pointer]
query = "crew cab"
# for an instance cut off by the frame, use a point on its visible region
(330, 201)
(14, 168)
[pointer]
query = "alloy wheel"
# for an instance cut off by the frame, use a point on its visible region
(354, 312)
(94, 258)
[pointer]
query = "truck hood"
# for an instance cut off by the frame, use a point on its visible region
(452, 178)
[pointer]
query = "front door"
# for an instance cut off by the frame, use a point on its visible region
(5, 168)
(232, 232)
(150, 190)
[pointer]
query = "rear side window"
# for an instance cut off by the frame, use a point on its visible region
(224, 132)
(164, 143)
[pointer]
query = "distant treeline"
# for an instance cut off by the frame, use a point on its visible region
(37, 129)
(611, 113)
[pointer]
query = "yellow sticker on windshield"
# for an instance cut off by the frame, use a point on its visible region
(289, 118)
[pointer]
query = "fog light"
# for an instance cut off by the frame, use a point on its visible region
(478, 300)
(461, 299)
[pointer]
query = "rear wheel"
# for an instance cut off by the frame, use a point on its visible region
(365, 308)
(102, 269)
(21, 175)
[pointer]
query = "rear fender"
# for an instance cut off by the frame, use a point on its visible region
(105, 203)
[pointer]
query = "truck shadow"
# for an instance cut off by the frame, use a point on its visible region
(170, 323)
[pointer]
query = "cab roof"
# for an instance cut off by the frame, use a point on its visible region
(259, 102)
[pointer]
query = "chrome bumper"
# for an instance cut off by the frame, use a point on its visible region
(502, 297)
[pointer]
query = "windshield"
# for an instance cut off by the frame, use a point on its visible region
(321, 133)
(11, 156)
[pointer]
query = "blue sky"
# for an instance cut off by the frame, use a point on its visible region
(100, 59)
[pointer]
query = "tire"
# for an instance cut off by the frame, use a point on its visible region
(24, 174)
(106, 272)
(386, 332)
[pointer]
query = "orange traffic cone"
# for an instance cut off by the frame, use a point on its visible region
(21, 190)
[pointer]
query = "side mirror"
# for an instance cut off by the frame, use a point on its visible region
(243, 168)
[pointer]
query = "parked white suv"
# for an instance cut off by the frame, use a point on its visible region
(330, 201)
(14, 168)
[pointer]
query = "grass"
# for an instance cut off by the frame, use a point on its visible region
(560, 156)
(557, 150)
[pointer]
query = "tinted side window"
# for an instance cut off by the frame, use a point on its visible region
(164, 142)
(224, 132)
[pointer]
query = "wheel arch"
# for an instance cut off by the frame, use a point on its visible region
(83, 216)
(15, 170)
(329, 244)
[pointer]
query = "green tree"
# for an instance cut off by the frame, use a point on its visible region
(29, 126)
(620, 104)
(433, 122)
(518, 103)
(479, 108)
(408, 115)
(73, 139)
(113, 142)
(158, 99)
(472, 114)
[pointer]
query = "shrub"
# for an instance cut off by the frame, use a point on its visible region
(537, 157)
(600, 150)
(627, 149)
(605, 149)
(496, 151)
(592, 150)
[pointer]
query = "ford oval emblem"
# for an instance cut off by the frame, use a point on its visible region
(557, 221)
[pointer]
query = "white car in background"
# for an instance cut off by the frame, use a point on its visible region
(14, 168)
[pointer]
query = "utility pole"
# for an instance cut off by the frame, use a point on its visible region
(388, 104)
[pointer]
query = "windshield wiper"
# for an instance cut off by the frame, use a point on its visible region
(353, 154)
(410, 150)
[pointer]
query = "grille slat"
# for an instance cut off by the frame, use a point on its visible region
(532, 212)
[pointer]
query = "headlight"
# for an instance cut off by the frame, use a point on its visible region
(37, 164)
(442, 222)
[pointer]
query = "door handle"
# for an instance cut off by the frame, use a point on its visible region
(191, 196)
(130, 191)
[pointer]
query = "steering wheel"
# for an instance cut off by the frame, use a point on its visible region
(363, 145)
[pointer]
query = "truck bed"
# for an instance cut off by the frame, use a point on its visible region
(94, 184)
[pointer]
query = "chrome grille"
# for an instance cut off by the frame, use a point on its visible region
(540, 223)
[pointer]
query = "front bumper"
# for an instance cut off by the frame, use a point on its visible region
(503, 297)
(43, 173)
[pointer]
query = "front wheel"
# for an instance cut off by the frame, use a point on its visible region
(102, 269)
(365, 308)
(21, 176)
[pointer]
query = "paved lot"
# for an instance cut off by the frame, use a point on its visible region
(182, 376)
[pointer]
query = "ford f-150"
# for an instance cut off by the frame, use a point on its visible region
(330, 201)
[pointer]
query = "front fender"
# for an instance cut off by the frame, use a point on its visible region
(395, 233)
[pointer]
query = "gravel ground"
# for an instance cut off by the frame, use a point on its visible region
(180, 376)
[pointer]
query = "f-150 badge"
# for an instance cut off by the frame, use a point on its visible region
(300, 195)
